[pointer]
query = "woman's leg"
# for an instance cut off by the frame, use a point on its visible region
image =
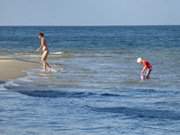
(48, 64)
(46, 57)
(43, 65)
(43, 59)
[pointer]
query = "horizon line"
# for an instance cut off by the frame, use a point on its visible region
(90, 25)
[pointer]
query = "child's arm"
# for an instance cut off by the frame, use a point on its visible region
(143, 70)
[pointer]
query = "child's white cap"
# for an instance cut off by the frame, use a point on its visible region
(139, 60)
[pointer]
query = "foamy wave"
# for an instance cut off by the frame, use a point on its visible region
(11, 83)
(2, 87)
(8, 84)
(25, 79)
(34, 55)
(57, 53)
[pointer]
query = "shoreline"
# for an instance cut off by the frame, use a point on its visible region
(11, 69)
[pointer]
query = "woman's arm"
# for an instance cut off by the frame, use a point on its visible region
(41, 44)
(38, 49)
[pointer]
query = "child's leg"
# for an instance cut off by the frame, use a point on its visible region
(142, 76)
(148, 73)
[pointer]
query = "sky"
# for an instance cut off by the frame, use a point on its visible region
(89, 12)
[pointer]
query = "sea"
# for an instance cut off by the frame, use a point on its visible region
(95, 87)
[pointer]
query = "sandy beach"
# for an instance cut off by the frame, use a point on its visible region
(11, 68)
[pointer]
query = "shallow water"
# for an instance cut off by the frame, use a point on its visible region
(96, 88)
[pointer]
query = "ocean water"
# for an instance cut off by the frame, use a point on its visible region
(96, 89)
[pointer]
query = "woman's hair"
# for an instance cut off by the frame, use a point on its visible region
(41, 34)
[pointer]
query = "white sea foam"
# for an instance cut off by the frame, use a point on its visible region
(33, 55)
(2, 87)
(52, 70)
(57, 53)
(11, 83)
(24, 79)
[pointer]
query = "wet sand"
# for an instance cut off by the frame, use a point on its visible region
(12, 68)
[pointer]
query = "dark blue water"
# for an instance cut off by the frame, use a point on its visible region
(99, 89)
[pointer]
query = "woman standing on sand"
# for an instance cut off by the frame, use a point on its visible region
(44, 52)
